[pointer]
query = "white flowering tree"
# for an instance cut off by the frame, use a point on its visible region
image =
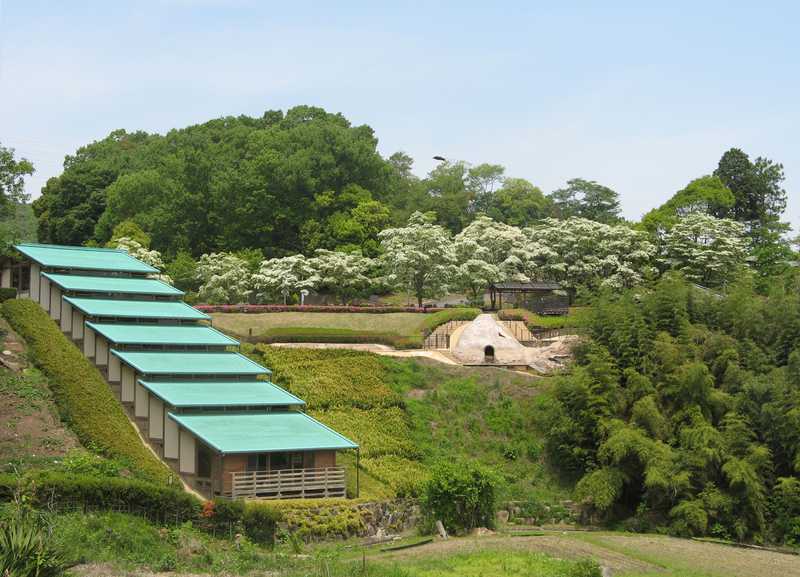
(138, 251)
(487, 251)
(419, 257)
(582, 252)
(707, 250)
(283, 277)
(345, 275)
(224, 279)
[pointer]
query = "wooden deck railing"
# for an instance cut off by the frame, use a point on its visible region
(289, 483)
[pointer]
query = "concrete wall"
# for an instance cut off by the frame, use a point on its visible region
(128, 381)
(155, 423)
(44, 292)
(171, 435)
(5, 277)
(101, 350)
(88, 342)
(35, 272)
(114, 366)
(66, 317)
(55, 301)
(187, 461)
(78, 327)
(141, 402)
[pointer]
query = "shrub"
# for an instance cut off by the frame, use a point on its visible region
(219, 515)
(445, 316)
(245, 308)
(7, 294)
(25, 551)
(335, 335)
(317, 519)
(260, 522)
(461, 496)
(84, 399)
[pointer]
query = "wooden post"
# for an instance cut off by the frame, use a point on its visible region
(358, 475)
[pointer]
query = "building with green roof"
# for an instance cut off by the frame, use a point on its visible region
(212, 414)
(100, 338)
(55, 286)
(26, 277)
(75, 311)
(221, 395)
(224, 443)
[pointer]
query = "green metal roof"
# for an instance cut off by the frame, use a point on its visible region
(262, 432)
(136, 309)
(220, 393)
(83, 258)
(162, 335)
(189, 363)
(112, 284)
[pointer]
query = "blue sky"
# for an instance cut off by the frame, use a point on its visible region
(641, 96)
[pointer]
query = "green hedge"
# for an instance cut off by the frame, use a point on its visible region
(84, 399)
(335, 335)
(169, 505)
(7, 293)
(434, 320)
(103, 493)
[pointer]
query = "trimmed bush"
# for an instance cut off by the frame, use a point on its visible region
(245, 308)
(447, 315)
(101, 493)
(461, 496)
(7, 294)
(84, 399)
(334, 335)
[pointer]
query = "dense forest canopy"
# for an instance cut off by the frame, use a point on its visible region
(683, 410)
(307, 179)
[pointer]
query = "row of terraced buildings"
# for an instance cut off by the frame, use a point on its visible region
(211, 413)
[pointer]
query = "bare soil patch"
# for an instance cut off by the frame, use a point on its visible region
(712, 558)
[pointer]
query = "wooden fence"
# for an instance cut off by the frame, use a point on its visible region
(440, 337)
(289, 483)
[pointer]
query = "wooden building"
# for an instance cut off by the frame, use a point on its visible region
(544, 298)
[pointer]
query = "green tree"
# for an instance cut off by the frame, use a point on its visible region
(707, 194)
(518, 203)
(586, 199)
(12, 180)
(760, 201)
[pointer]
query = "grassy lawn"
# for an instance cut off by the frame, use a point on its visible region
(404, 324)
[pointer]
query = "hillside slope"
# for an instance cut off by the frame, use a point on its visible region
(407, 414)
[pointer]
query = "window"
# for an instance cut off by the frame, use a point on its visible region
(257, 462)
(286, 461)
(204, 462)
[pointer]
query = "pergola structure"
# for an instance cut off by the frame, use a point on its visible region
(542, 297)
